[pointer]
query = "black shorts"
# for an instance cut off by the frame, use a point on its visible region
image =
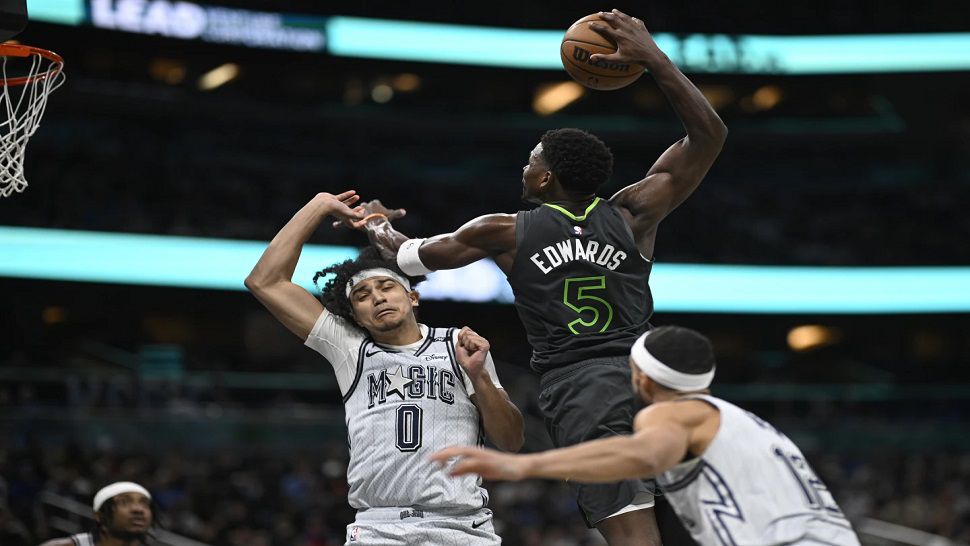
(584, 401)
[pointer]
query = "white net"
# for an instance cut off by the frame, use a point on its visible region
(22, 103)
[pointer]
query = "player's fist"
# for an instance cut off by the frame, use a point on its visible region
(471, 350)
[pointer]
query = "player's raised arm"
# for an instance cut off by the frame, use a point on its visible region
(680, 169)
(491, 235)
(271, 278)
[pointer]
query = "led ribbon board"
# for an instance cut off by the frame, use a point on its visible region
(505, 47)
(64, 12)
(223, 264)
(744, 54)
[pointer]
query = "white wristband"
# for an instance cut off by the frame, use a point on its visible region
(408, 259)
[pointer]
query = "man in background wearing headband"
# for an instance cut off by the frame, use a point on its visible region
(408, 389)
(731, 477)
(122, 515)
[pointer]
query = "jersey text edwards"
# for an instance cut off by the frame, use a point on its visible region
(574, 249)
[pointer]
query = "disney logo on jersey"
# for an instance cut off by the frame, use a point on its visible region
(569, 250)
(416, 382)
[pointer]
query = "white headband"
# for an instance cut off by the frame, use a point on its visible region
(115, 489)
(376, 272)
(665, 375)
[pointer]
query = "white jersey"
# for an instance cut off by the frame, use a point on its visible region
(403, 403)
(82, 539)
(753, 487)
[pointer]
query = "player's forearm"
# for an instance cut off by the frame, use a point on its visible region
(695, 112)
(599, 461)
(502, 420)
(385, 238)
(281, 256)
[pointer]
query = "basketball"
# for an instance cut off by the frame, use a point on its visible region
(581, 42)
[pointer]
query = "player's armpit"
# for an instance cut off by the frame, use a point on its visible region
(482, 237)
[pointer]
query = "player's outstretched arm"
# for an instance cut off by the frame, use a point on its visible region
(680, 169)
(489, 235)
(502, 420)
(658, 445)
(271, 279)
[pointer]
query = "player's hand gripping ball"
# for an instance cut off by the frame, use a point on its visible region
(582, 42)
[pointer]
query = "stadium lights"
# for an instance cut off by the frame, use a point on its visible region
(222, 264)
(811, 336)
(554, 97)
(218, 76)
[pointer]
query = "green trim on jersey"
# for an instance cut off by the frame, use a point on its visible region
(573, 216)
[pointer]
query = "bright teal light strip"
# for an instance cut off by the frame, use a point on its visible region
(443, 43)
(223, 264)
(144, 259)
(64, 12)
(770, 289)
(539, 49)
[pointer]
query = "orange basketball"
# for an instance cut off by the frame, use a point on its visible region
(579, 43)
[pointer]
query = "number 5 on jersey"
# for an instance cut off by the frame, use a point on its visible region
(595, 313)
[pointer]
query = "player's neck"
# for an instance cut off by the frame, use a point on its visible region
(407, 333)
(572, 202)
(108, 540)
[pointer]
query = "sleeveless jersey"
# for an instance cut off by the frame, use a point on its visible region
(753, 486)
(580, 284)
(401, 408)
(82, 539)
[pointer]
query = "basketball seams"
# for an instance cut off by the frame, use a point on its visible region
(583, 67)
(564, 40)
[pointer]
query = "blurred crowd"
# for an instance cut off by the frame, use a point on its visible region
(837, 203)
(237, 497)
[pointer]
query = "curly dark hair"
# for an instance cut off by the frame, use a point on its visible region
(580, 160)
(99, 530)
(334, 293)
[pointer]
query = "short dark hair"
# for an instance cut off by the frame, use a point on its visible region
(681, 349)
(580, 160)
(334, 293)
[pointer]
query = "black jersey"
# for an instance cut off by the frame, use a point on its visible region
(580, 284)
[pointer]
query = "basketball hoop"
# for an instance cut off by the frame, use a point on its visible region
(23, 99)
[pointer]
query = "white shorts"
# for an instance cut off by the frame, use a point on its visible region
(411, 527)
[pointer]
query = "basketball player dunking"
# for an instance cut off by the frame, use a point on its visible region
(579, 267)
(731, 477)
(408, 389)
(123, 516)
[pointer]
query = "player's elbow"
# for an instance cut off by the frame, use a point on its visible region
(515, 441)
(510, 443)
(718, 130)
(512, 437)
(254, 283)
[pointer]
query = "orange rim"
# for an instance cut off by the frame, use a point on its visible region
(23, 51)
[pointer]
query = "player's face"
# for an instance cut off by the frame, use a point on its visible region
(533, 174)
(131, 515)
(381, 304)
